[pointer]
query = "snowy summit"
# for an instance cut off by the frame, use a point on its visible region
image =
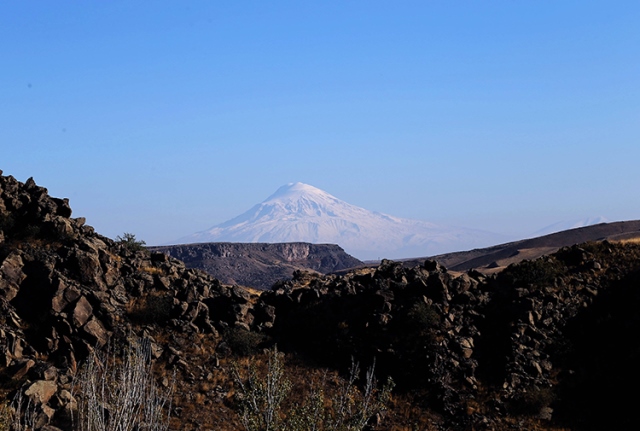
(300, 212)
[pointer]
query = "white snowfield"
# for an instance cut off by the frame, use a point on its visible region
(300, 212)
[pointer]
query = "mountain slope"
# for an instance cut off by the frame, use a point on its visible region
(499, 256)
(299, 212)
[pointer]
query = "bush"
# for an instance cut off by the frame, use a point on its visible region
(19, 228)
(351, 409)
(129, 242)
(534, 400)
(243, 342)
(261, 399)
(120, 393)
(6, 417)
(151, 309)
(421, 317)
(531, 273)
(7, 222)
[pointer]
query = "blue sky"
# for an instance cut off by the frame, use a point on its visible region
(165, 118)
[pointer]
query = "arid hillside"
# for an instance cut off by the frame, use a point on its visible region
(494, 259)
(546, 344)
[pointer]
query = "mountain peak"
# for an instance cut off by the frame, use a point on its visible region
(299, 212)
(296, 190)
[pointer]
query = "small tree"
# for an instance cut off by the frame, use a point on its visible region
(130, 242)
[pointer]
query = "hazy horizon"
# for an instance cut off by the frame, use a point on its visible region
(167, 120)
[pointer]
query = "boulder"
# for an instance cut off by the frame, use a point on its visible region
(41, 391)
(82, 311)
(11, 276)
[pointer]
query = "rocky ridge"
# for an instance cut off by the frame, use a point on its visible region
(545, 338)
(545, 344)
(260, 265)
(66, 290)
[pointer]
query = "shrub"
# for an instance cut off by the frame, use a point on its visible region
(20, 415)
(7, 222)
(151, 309)
(350, 409)
(243, 342)
(19, 228)
(422, 317)
(6, 417)
(130, 242)
(534, 400)
(261, 399)
(531, 273)
(120, 393)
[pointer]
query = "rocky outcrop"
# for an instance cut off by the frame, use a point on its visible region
(65, 291)
(519, 341)
(260, 265)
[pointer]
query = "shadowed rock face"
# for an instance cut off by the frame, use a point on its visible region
(551, 339)
(545, 338)
(260, 265)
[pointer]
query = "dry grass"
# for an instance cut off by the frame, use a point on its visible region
(628, 241)
(253, 291)
(153, 270)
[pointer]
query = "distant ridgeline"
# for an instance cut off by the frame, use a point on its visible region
(260, 265)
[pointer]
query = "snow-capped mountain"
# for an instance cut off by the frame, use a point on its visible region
(570, 224)
(300, 212)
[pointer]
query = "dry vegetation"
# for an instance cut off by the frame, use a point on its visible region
(629, 241)
(119, 392)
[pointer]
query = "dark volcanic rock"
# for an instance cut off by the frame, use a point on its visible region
(65, 291)
(260, 265)
(547, 338)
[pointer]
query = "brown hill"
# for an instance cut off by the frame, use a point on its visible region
(260, 265)
(493, 259)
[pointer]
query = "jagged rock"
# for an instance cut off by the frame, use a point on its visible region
(97, 332)
(11, 276)
(21, 368)
(42, 416)
(82, 311)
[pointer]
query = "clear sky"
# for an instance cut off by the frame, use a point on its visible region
(165, 118)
